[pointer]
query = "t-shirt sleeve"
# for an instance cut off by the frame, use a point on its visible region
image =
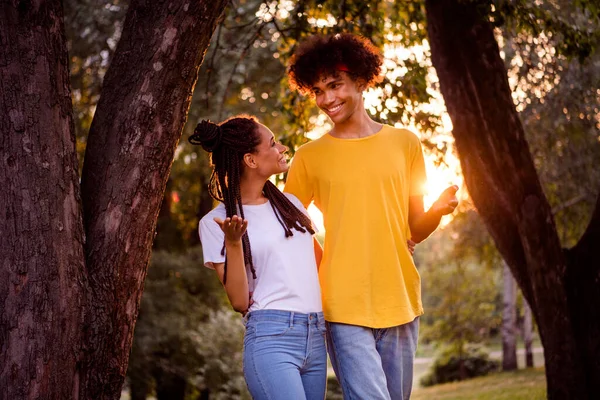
(211, 237)
(297, 182)
(418, 173)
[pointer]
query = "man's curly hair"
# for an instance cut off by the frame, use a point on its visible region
(320, 56)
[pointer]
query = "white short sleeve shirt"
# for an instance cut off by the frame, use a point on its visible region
(286, 270)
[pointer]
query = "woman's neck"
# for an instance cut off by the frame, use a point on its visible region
(251, 190)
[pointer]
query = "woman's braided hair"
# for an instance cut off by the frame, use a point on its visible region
(227, 143)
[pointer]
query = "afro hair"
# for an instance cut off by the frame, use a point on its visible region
(320, 56)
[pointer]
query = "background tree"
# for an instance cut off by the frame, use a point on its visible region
(502, 179)
(69, 271)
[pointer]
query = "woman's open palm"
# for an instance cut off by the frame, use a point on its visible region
(233, 228)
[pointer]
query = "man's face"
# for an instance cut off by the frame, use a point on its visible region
(338, 96)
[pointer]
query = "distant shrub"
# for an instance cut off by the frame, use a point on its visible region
(450, 365)
(334, 390)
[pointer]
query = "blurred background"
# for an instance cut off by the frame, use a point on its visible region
(188, 341)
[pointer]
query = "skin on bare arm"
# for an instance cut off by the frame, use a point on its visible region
(237, 280)
(422, 223)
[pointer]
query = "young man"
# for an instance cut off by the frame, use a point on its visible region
(368, 180)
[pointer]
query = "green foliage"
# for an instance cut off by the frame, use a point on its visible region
(186, 330)
(450, 365)
(461, 287)
(575, 24)
(334, 390)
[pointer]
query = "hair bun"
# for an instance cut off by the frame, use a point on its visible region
(208, 135)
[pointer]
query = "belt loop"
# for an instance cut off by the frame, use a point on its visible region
(291, 318)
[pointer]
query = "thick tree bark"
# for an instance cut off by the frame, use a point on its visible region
(528, 334)
(42, 271)
(562, 289)
(139, 119)
(509, 320)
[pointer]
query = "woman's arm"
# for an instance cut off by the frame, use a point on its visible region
(236, 285)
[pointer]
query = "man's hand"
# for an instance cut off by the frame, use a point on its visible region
(233, 228)
(447, 202)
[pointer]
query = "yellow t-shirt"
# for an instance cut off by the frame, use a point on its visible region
(362, 186)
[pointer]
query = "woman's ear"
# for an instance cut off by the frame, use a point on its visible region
(249, 160)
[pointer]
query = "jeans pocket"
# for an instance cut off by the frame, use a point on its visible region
(271, 328)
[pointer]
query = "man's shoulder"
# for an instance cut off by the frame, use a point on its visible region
(402, 132)
(314, 146)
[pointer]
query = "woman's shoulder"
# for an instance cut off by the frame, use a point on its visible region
(217, 212)
(295, 201)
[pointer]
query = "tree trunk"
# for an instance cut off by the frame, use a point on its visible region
(528, 334)
(139, 119)
(167, 236)
(42, 270)
(562, 288)
(66, 330)
(509, 320)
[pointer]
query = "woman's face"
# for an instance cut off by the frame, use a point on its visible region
(269, 156)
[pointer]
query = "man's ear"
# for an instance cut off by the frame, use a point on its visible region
(249, 160)
(361, 85)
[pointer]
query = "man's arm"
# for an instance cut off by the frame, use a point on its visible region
(422, 223)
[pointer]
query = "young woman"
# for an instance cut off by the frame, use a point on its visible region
(259, 241)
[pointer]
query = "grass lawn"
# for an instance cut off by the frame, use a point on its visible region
(520, 385)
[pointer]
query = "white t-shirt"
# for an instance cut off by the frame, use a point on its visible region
(286, 270)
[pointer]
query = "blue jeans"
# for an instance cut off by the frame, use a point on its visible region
(285, 355)
(373, 363)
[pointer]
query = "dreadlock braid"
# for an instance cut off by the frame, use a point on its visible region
(227, 143)
(285, 210)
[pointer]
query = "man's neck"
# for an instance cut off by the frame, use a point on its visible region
(358, 126)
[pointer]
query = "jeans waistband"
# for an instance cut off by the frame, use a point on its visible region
(294, 318)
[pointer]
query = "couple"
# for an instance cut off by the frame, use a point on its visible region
(368, 180)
